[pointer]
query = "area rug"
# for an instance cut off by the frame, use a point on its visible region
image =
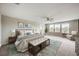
(50, 50)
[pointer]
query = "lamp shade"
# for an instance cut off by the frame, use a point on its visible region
(13, 32)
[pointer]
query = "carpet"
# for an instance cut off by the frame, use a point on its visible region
(50, 50)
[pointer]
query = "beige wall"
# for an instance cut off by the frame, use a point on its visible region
(73, 25)
(9, 23)
(0, 29)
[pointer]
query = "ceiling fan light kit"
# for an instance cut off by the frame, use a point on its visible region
(49, 18)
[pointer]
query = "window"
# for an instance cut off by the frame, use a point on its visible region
(65, 28)
(57, 27)
(51, 28)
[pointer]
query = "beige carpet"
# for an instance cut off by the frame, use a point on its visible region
(67, 47)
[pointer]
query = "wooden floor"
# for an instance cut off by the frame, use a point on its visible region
(3, 51)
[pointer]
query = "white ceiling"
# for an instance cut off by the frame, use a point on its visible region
(36, 11)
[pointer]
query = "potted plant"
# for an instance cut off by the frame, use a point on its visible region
(46, 30)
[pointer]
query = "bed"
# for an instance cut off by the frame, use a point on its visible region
(22, 41)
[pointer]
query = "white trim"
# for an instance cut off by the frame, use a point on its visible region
(0, 30)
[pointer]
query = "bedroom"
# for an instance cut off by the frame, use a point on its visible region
(57, 23)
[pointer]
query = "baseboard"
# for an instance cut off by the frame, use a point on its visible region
(3, 44)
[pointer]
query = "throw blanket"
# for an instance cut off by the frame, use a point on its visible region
(22, 42)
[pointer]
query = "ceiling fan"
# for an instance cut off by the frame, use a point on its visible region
(17, 3)
(48, 18)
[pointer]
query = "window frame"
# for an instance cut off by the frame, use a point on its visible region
(65, 25)
(59, 27)
(52, 30)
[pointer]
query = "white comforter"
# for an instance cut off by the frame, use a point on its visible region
(21, 45)
(22, 42)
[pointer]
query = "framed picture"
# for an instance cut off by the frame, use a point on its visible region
(25, 25)
(20, 25)
(29, 25)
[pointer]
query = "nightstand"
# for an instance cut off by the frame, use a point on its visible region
(12, 39)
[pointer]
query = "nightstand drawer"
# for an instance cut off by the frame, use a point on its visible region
(11, 39)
